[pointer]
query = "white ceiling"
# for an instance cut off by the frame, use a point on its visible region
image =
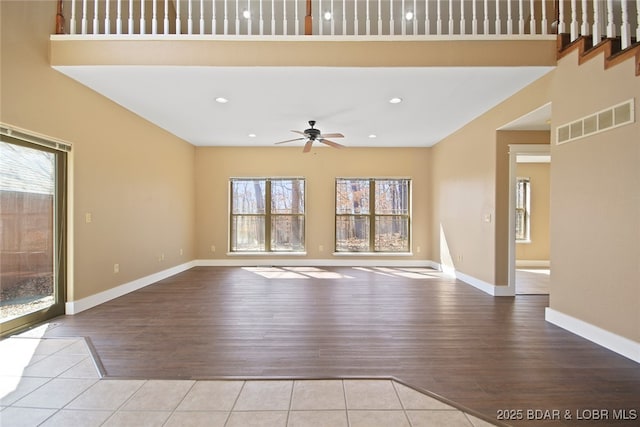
(271, 101)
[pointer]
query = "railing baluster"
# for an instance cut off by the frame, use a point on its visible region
(427, 22)
(201, 17)
(356, 27)
(521, 17)
(438, 18)
(143, 22)
(189, 17)
(96, 22)
(379, 18)
(83, 23)
(214, 23)
(130, 19)
(261, 18)
(154, 17)
(165, 22)
(596, 23)
(584, 30)
(320, 17)
(611, 29)
(574, 20)
(178, 19)
(404, 21)
(248, 18)
(333, 19)
(72, 20)
(273, 17)
(285, 24)
(295, 3)
(344, 18)
(225, 22)
(638, 21)
(561, 26)
(451, 28)
(486, 16)
(544, 22)
(532, 21)
(107, 18)
(474, 18)
(625, 33)
(498, 21)
(392, 26)
(463, 21)
(414, 21)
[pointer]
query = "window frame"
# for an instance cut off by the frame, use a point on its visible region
(268, 216)
(373, 217)
(523, 209)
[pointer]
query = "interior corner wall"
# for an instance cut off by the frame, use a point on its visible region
(595, 202)
(467, 210)
(135, 179)
(320, 167)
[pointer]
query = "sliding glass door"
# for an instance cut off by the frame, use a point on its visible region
(32, 233)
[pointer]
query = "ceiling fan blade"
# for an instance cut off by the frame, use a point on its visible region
(290, 140)
(300, 132)
(330, 143)
(307, 146)
(332, 135)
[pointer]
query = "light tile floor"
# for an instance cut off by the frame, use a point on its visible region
(55, 382)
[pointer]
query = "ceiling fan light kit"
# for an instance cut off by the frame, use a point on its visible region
(312, 134)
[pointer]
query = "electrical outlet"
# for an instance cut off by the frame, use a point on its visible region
(116, 268)
(181, 251)
(88, 217)
(321, 248)
(418, 249)
(213, 248)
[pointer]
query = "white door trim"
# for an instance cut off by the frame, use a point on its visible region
(514, 151)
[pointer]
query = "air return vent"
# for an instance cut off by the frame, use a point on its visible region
(613, 117)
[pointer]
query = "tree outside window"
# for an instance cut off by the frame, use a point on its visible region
(372, 215)
(267, 215)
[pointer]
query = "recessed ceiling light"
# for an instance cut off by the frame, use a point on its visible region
(221, 100)
(246, 14)
(373, 135)
(327, 16)
(395, 100)
(409, 15)
(252, 135)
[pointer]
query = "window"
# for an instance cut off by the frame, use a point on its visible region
(523, 209)
(32, 230)
(267, 215)
(372, 215)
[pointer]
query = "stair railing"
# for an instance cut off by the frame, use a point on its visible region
(449, 18)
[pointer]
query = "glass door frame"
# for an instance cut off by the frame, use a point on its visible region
(60, 152)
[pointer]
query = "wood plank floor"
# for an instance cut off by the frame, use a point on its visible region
(428, 331)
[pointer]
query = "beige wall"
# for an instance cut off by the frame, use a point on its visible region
(539, 175)
(320, 167)
(469, 222)
(595, 202)
(135, 179)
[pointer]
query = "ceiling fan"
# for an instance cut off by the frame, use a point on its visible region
(312, 134)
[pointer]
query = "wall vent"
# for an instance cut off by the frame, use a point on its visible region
(613, 117)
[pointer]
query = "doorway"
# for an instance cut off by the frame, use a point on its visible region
(529, 171)
(32, 230)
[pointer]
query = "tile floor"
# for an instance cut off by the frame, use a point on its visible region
(55, 382)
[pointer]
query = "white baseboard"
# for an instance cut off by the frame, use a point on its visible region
(621, 345)
(533, 263)
(305, 262)
(75, 307)
(497, 291)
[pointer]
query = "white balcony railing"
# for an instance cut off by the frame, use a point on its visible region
(508, 18)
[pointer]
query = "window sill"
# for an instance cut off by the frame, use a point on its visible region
(372, 254)
(266, 254)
